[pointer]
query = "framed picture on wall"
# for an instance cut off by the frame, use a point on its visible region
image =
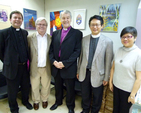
(79, 17)
(30, 17)
(55, 22)
(4, 16)
(110, 14)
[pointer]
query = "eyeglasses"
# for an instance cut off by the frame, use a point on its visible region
(42, 25)
(95, 25)
(128, 37)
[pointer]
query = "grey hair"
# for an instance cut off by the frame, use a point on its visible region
(40, 19)
(66, 12)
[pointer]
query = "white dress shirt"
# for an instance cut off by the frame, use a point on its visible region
(42, 49)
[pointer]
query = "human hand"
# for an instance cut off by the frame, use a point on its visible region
(58, 65)
(111, 86)
(77, 76)
(55, 62)
(61, 64)
(131, 99)
(105, 83)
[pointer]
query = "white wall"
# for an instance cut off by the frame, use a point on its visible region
(37, 5)
(127, 17)
(138, 26)
(128, 11)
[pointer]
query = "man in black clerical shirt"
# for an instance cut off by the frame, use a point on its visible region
(14, 55)
(94, 65)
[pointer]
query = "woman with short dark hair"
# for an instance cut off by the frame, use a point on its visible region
(125, 77)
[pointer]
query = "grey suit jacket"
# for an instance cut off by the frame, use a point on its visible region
(33, 51)
(101, 63)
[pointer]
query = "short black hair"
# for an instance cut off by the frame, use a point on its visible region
(130, 30)
(96, 17)
(15, 12)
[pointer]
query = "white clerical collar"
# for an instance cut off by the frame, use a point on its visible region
(65, 29)
(17, 29)
(95, 36)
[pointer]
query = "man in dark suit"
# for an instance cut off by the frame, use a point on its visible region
(14, 55)
(64, 50)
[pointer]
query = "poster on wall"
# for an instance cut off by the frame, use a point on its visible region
(79, 18)
(4, 16)
(55, 22)
(30, 17)
(110, 14)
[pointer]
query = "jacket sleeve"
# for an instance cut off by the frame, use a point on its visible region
(2, 44)
(80, 61)
(76, 52)
(108, 60)
(51, 52)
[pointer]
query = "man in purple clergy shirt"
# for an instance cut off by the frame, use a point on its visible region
(64, 50)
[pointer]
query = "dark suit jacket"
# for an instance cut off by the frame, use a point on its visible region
(9, 53)
(70, 51)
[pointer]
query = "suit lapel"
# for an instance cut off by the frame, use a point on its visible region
(48, 41)
(34, 40)
(86, 45)
(59, 36)
(99, 47)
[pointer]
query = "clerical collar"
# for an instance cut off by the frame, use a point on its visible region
(16, 29)
(65, 29)
(95, 36)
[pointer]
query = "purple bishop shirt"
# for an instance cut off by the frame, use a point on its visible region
(63, 35)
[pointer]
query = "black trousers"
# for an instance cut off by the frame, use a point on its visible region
(89, 92)
(70, 96)
(22, 80)
(120, 101)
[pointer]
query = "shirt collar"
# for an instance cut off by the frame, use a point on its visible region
(37, 34)
(15, 28)
(95, 36)
(66, 29)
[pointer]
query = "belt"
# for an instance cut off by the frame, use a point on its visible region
(22, 63)
(88, 69)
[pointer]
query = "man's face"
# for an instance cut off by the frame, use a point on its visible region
(95, 26)
(65, 20)
(16, 20)
(41, 27)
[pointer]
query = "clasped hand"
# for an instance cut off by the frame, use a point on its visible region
(58, 65)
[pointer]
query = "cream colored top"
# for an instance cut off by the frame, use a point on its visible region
(127, 62)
